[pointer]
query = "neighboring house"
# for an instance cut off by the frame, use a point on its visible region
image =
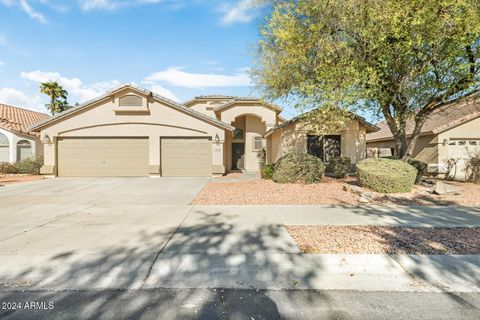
(451, 132)
(294, 135)
(130, 131)
(17, 142)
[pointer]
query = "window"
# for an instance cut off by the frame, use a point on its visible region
(238, 134)
(452, 143)
(4, 148)
(324, 147)
(462, 143)
(472, 143)
(24, 150)
(257, 143)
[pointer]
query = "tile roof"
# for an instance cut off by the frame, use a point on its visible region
(20, 120)
(442, 119)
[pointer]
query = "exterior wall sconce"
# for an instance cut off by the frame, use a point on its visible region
(445, 141)
(46, 139)
(217, 138)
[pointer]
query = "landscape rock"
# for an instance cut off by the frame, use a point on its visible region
(353, 189)
(363, 200)
(441, 188)
(366, 195)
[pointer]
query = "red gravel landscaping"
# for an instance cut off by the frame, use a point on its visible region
(329, 191)
(16, 178)
(385, 240)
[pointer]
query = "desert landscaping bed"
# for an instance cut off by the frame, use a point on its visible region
(329, 191)
(385, 240)
(16, 178)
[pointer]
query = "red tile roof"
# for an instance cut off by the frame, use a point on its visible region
(20, 120)
(449, 116)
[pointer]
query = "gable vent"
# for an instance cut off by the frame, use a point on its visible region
(130, 101)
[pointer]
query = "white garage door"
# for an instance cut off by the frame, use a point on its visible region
(186, 157)
(103, 157)
(460, 151)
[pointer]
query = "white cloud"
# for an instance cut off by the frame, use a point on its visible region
(31, 12)
(158, 89)
(177, 77)
(240, 12)
(88, 5)
(2, 63)
(78, 92)
(27, 8)
(16, 97)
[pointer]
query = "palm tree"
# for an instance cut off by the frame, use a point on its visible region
(58, 96)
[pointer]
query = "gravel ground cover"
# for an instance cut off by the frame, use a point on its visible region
(8, 179)
(385, 240)
(330, 191)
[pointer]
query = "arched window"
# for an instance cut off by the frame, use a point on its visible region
(24, 150)
(4, 148)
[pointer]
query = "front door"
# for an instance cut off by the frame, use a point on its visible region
(238, 150)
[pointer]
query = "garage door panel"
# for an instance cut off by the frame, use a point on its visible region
(104, 157)
(186, 157)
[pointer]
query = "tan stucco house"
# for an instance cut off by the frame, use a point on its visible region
(451, 132)
(130, 131)
(17, 142)
(295, 135)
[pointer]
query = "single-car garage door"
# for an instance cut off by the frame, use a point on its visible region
(103, 157)
(186, 157)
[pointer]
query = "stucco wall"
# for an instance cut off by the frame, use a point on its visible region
(100, 120)
(14, 138)
(427, 148)
(468, 131)
(293, 137)
(254, 127)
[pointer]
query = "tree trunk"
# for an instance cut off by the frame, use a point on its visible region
(419, 122)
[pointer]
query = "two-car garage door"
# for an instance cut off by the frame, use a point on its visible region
(129, 157)
(103, 157)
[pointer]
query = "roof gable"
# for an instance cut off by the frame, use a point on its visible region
(249, 102)
(137, 90)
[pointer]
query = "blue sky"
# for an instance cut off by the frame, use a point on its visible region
(177, 48)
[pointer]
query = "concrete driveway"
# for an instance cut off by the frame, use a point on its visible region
(142, 235)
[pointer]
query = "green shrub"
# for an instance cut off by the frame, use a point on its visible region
(27, 166)
(262, 157)
(421, 168)
(30, 165)
(473, 168)
(298, 167)
(339, 167)
(386, 175)
(8, 168)
(267, 171)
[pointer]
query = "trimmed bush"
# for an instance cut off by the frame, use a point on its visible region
(267, 171)
(339, 167)
(386, 175)
(421, 168)
(27, 166)
(298, 167)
